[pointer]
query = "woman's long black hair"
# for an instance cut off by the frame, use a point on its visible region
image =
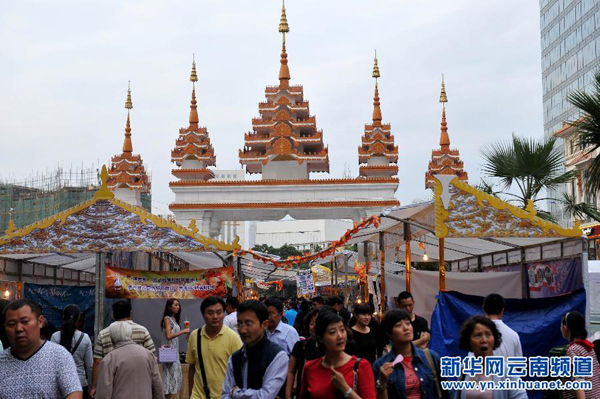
(68, 328)
(169, 312)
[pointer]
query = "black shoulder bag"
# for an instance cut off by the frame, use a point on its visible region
(77, 344)
(202, 371)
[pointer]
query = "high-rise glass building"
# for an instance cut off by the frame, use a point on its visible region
(570, 35)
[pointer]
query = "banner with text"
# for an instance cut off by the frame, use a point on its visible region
(191, 284)
(54, 298)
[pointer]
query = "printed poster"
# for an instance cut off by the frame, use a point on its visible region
(555, 277)
(305, 283)
(191, 284)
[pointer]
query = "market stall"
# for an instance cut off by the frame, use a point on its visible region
(101, 229)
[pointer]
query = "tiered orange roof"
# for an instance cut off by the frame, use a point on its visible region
(444, 161)
(285, 130)
(193, 144)
(377, 151)
(127, 170)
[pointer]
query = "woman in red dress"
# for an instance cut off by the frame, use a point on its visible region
(337, 374)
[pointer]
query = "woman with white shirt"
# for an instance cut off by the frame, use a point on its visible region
(78, 344)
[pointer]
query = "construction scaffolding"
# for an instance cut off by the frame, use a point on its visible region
(45, 194)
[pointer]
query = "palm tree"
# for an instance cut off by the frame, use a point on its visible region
(579, 211)
(588, 129)
(529, 164)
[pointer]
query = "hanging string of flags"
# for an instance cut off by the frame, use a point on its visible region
(307, 258)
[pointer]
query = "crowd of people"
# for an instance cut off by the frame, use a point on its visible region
(268, 348)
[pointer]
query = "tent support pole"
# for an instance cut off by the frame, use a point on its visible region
(367, 262)
(100, 294)
(442, 265)
(382, 249)
(524, 286)
(332, 277)
(346, 290)
(408, 254)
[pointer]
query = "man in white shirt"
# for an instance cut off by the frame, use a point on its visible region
(493, 306)
(231, 309)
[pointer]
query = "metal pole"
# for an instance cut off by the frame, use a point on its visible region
(382, 260)
(366, 284)
(346, 288)
(442, 265)
(100, 294)
(408, 254)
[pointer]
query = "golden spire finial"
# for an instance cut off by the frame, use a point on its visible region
(443, 97)
(284, 70)
(376, 73)
(127, 144)
(194, 75)
(444, 137)
(193, 107)
(283, 24)
(128, 102)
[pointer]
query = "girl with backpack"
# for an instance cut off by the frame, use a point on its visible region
(78, 344)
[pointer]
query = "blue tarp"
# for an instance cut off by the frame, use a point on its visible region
(537, 321)
(54, 298)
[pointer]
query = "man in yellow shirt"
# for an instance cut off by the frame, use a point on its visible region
(218, 342)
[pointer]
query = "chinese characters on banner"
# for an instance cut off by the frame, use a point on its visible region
(126, 283)
(305, 282)
(512, 367)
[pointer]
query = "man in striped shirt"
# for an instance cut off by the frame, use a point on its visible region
(103, 344)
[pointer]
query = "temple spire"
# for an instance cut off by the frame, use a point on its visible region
(193, 106)
(444, 138)
(127, 144)
(284, 70)
(376, 110)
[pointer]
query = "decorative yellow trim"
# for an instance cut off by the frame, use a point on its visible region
(528, 213)
(441, 230)
(104, 192)
(11, 227)
(193, 226)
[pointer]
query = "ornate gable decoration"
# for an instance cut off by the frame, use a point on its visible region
(464, 211)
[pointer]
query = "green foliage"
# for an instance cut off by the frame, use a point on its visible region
(532, 165)
(579, 211)
(283, 252)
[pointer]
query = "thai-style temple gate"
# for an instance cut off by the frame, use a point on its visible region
(285, 147)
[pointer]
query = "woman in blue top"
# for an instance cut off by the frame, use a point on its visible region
(406, 372)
